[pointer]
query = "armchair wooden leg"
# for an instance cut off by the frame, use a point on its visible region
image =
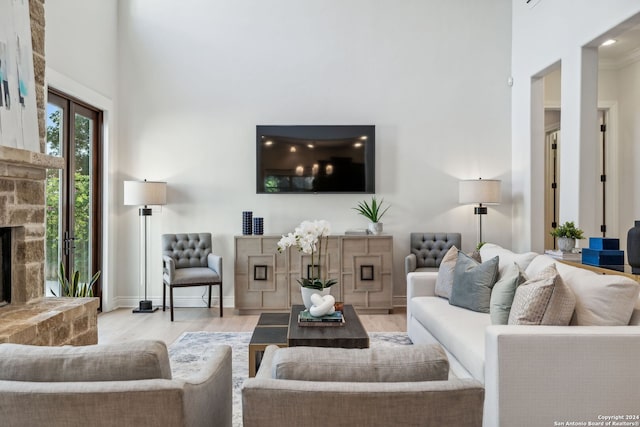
(209, 296)
(171, 301)
(164, 296)
(220, 299)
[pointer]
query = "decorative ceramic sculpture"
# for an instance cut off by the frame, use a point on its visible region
(322, 305)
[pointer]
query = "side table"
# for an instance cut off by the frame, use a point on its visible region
(272, 328)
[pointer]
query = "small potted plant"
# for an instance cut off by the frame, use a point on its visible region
(373, 212)
(567, 234)
(72, 287)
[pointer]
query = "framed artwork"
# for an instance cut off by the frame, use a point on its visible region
(259, 272)
(18, 110)
(366, 272)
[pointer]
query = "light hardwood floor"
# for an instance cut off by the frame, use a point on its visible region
(123, 325)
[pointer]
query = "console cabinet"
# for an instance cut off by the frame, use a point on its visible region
(266, 280)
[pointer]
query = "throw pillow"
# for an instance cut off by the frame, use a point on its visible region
(426, 362)
(543, 300)
(444, 281)
(472, 283)
(127, 361)
(503, 293)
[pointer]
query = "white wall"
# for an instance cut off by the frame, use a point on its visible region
(189, 82)
(195, 78)
(81, 53)
(628, 82)
(543, 35)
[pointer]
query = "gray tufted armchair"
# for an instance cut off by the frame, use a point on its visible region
(428, 249)
(187, 261)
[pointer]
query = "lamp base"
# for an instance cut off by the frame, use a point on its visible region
(145, 307)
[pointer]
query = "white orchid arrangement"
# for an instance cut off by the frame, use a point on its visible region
(308, 238)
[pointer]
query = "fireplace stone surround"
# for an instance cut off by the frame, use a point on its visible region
(31, 318)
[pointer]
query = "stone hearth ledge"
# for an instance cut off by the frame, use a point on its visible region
(19, 157)
(51, 321)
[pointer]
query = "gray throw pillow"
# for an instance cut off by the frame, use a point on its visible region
(472, 283)
(424, 362)
(127, 361)
(503, 292)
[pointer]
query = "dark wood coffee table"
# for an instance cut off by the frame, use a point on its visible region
(351, 335)
(270, 330)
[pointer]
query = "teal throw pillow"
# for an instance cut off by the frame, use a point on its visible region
(472, 283)
(503, 292)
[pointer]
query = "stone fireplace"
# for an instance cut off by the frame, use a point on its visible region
(30, 318)
(26, 316)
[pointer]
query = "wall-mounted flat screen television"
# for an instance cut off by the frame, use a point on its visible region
(315, 159)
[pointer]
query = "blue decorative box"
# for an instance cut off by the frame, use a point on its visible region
(607, 243)
(602, 257)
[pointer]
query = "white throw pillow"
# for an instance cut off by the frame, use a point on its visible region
(507, 257)
(601, 300)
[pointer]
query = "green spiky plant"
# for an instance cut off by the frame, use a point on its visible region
(73, 287)
(568, 229)
(373, 212)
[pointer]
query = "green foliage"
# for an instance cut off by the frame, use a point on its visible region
(568, 229)
(81, 225)
(82, 194)
(317, 283)
(479, 245)
(73, 287)
(372, 212)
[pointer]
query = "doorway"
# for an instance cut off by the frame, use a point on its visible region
(73, 195)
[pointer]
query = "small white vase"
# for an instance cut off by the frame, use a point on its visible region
(566, 244)
(375, 228)
(307, 292)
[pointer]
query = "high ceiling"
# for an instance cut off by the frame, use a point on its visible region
(625, 50)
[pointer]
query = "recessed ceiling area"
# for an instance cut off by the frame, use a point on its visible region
(624, 51)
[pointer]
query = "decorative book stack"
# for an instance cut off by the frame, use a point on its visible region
(603, 252)
(306, 319)
(565, 256)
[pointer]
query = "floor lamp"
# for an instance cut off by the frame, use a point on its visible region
(482, 192)
(144, 193)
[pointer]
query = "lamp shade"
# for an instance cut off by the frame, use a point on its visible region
(142, 193)
(485, 191)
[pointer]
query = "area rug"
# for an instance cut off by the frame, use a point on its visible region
(189, 351)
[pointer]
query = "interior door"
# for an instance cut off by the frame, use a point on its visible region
(74, 220)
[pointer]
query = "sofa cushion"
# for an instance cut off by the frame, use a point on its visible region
(601, 300)
(460, 331)
(135, 360)
(472, 283)
(503, 293)
(444, 282)
(543, 300)
(507, 257)
(403, 364)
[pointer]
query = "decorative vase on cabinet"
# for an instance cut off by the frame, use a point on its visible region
(633, 248)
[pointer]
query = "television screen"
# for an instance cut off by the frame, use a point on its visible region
(315, 159)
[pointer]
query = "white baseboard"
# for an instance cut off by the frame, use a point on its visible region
(178, 302)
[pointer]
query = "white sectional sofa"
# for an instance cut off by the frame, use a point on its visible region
(541, 375)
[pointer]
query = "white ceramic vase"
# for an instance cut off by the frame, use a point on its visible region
(566, 244)
(307, 292)
(375, 228)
